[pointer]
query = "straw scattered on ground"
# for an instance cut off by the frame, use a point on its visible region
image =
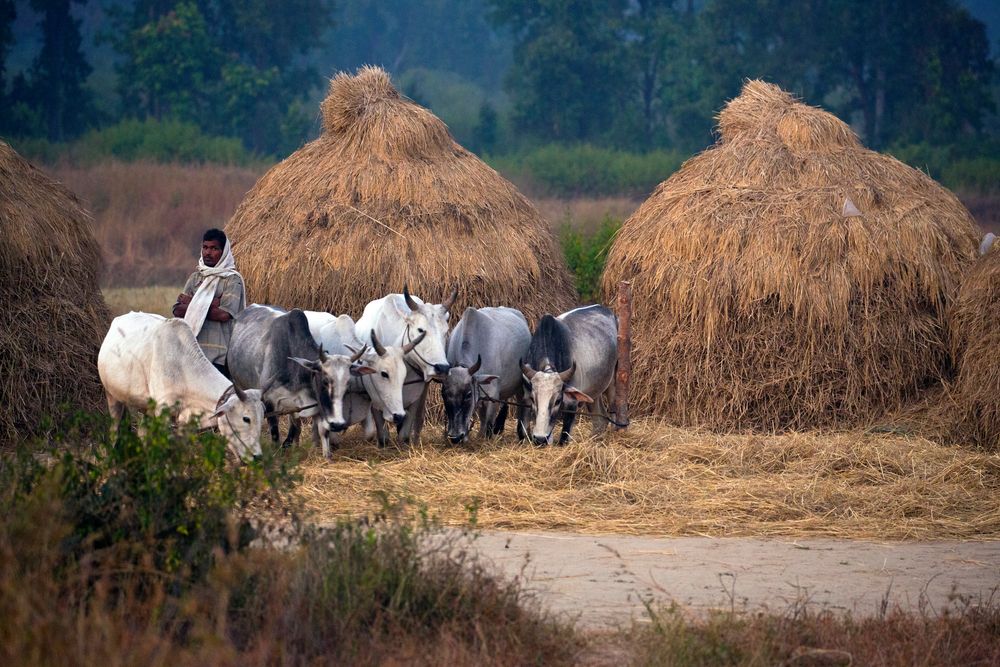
(661, 480)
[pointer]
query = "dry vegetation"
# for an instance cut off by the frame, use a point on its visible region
(761, 304)
(383, 198)
(659, 480)
(149, 218)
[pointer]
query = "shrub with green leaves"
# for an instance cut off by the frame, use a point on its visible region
(586, 255)
(157, 141)
(166, 495)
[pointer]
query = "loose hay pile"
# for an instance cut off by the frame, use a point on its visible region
(53, 316)
(659, 480)
(385, 197)
(975, 335)
(787, 277)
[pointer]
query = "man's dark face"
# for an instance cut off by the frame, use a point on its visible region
(211, 252)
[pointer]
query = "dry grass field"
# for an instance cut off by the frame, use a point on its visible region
(658, 480)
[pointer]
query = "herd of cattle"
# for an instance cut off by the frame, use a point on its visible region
(378, 369)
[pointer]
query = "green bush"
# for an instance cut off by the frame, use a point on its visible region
(169, 496)
(157, 141)
(966, 168)
(586, 255)
(567, 171)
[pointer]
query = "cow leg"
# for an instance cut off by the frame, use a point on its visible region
(370, 430)
(498, 418)
(294, 428)
(569, 418)
(522, 421)
(272, 422)
(322, 436)
(116, 409)
(601, 409)
(414, 422)
(381, 432)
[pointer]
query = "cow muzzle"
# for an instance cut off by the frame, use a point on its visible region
(441, 369)
(398, 419)
(337, 427)
(540, 440)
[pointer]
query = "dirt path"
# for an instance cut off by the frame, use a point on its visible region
(603, 580)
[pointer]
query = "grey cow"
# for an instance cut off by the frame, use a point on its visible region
(272, 350)
(571, 361)
(484, 352)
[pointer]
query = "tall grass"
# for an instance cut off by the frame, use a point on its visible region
(586, 255)
(149, 217)
(120, 548)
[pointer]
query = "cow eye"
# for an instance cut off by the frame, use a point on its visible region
(385, 375)
(246, 420)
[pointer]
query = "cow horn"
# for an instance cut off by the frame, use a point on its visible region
(357, 355)
(410, 303)
(474, 368)
(239, 393)
(379, 350)
(322, 355)
(450, 301)
(528, 371)
(413, 343)
(568, 373)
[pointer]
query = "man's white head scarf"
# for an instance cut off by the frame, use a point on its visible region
(200, 304)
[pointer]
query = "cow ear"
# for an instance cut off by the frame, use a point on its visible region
(222, 408)
(486, 379)
(362, 370)
(305, 363)
(577, 394)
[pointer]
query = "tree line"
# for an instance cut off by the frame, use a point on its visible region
(632, 74)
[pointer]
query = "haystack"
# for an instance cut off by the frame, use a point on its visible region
(385, 197)
(787, 277)
(975, 339)
(53, 316)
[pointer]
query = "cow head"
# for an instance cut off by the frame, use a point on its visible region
(384, 383)
(329, 377)
(461, 390)
(430, 320)
(240, 418)
(548, 394)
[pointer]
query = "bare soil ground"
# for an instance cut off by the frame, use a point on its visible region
(608, 580)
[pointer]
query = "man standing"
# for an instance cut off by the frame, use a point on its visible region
(213, 295)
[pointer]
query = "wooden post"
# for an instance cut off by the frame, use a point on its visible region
(624, 372)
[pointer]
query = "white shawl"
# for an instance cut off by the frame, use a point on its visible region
(200, 304)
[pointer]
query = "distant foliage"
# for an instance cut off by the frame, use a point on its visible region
(973, 169)
(566, 171)
(157, 141)
(586, 254)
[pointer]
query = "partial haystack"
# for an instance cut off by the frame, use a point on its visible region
(53, 316)
(385, 197)
(788, 277)
(975, 338)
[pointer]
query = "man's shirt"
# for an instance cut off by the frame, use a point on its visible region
(214, 336)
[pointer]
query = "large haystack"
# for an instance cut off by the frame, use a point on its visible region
(975, 338)
(385, 197)
(787, 277)
(53, 316)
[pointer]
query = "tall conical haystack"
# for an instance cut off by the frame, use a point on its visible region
(385, 197)
(53, 316)
(787, 277)
(975, 339)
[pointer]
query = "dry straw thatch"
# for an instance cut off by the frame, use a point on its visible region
(787, 277)
(53, 316)
(655, 479)
(385, 197)
(975, 339)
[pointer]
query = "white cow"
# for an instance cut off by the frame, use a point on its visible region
(146, 356)
(375, 392)
(398, 319)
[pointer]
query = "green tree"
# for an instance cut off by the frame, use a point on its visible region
(569, 70)
(487, 131)
(234, 68)
(8, 12)
(51, 99)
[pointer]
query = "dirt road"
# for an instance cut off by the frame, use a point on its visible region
(603, 580)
